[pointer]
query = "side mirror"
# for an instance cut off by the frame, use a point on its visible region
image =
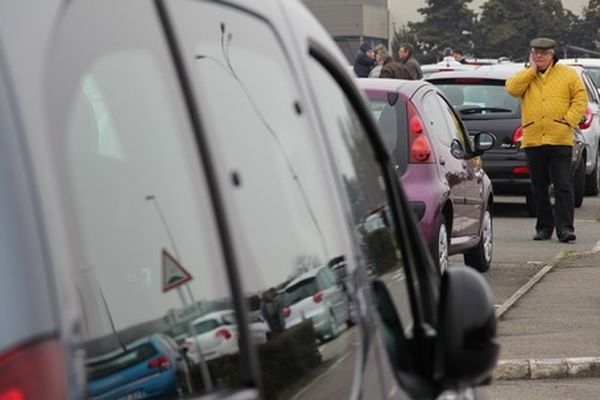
(483, 141)
(457, 149)
(466, 346)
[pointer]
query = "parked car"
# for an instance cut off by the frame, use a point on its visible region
(150, 367)
(590, 126)
(163, 158)
(217, 334)
(439, 167)
(319, 296)
(483, 103)
(590, 65)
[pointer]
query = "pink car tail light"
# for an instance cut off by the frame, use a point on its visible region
(419, 146)
(33, 371)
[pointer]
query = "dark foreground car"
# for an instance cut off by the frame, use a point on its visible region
(482, 101)
(439, 167)
(162, 160)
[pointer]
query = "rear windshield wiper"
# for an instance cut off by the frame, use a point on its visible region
(477, 110)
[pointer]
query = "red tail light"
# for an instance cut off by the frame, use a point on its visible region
(317, 297)
(35, 371)
(161, 362)
(517, 135)
(287, 312)
(588, 117)
(223, 333)
(522, 170)
(419, 146)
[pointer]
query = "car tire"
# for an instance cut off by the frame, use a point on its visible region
(579, 184)
(480, 256)
(592, 181)
(439, 247)
(530, 205)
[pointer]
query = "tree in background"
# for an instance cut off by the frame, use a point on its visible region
(407, 35)
(443, 26)
(506, 26)
(588, 34)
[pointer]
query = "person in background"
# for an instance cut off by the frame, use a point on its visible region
(405, 54)
(363, 62)
(459, 56)
(374, 73)
(553, 100)
(391, 69)
(272, 311)
(448, 60)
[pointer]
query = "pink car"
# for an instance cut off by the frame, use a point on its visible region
(438, 163)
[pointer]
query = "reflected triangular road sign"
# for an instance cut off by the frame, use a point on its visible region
(173, 273)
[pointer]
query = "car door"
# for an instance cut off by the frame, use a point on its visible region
(452, 171)
(473, 174)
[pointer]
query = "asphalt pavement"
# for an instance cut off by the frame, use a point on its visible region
(550, 328)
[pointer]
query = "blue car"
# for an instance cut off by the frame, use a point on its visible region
(149, 368)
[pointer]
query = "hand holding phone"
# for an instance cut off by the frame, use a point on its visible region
(532, 63)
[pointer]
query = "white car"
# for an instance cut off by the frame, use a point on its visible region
(591, 66)
(217, 335)
(317, 295)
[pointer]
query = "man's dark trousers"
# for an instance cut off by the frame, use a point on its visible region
(552, 164)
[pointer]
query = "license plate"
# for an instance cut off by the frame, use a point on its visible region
(138, 394)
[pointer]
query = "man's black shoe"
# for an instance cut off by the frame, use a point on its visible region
(566, 236)
(542, 235)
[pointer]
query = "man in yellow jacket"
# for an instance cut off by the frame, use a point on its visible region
(553, 100)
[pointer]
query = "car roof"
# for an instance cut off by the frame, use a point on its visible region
(407, 87)
(213, 315)
(306, 275)
(496, 71)
(585, 62)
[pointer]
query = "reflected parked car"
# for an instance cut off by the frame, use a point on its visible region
(319, 296)
(151, 367)
(483, 103)
(217, 334)
(439, 167)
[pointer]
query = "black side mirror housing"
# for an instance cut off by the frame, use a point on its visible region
(466, 349)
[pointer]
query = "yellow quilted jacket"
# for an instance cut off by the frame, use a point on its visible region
(552, 104)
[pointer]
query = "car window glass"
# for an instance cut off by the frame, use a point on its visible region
(366, 193)
(147, 261)
(273, 180)
(452, 120)
(436, 123)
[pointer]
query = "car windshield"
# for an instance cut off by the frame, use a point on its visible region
(301, 290)
(120, 362)
(387, 119)
(473, 99)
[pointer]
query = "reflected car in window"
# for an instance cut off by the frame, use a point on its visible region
(217, 335)
(450, 193)
(483, 103)
(150, 367)
(318, 296)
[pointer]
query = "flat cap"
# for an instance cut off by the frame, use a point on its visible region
(542, 43)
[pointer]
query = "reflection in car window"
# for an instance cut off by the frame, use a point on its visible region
(435, 120)
(452, 121)
(140, 216)
(365, 191)
(273, 182)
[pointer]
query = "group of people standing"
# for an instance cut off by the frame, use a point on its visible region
(378, 63)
